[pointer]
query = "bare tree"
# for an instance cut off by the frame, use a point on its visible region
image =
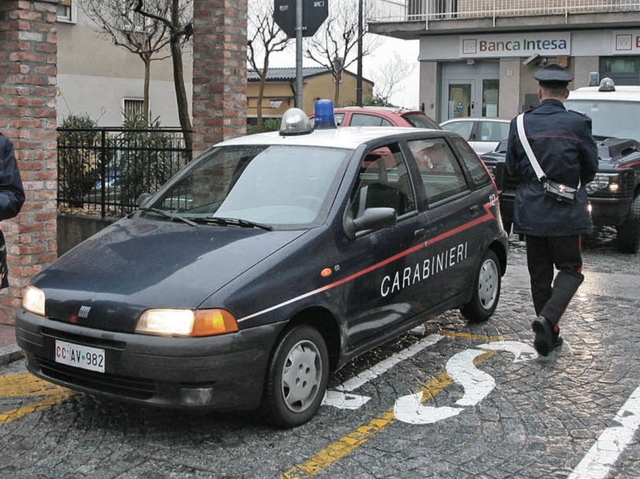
(264, 37)
(388, 77)
(146, 39)
(334, 45)
(177, 18)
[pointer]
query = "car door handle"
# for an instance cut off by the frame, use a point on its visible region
(475, 209)
(420, 234)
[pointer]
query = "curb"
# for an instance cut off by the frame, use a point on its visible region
(9, 354)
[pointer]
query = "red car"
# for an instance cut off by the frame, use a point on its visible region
(382, 116)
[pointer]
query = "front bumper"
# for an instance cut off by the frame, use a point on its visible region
(609, 211)
(218, 372)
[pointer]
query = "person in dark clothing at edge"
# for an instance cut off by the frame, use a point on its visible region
(563, 143)
(11, 197)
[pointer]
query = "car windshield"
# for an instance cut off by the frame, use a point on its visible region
(421, 121)
(276, 186)
(610, 118)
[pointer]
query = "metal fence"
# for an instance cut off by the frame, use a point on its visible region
(105, 170)
(431, 10)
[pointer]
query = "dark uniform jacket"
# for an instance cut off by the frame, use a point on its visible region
(567, 153)
(11, 196)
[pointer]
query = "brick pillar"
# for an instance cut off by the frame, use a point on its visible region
(219, 71)
(28, 56)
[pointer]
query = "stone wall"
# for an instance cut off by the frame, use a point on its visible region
(28, 69)
(219, 71)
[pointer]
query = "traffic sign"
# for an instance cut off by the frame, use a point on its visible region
(314, 13)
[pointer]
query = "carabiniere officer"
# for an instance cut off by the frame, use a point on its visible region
(566, 151)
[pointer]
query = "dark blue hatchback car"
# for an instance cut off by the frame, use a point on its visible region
(268, 262)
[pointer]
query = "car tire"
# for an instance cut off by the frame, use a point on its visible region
(629, 231)
(486, 292)
(297, 377)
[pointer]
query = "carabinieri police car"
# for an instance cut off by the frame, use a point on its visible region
(268, 262)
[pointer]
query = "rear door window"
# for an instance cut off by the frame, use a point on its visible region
(440, 171)
(493, 131)
(359, 119)
(478, 172)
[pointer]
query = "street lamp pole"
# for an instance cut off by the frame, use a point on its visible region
(359, 77)
(299, 83)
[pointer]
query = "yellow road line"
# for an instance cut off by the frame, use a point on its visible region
(61, 396)
(357, 438)
(25, 385)
(19, 385)
(471, 337)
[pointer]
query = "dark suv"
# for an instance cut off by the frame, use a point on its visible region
(614, 194)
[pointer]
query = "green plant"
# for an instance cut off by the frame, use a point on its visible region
(145, 158)
(78, 159)
(270, 124)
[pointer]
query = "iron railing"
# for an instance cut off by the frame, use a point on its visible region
(433, 10)
(105, 170)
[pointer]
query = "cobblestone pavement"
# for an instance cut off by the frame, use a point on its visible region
(539, 421)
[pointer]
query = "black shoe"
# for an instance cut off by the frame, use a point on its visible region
(545, 340)
(557, 340)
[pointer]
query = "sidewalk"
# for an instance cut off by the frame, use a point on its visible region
(9, 350)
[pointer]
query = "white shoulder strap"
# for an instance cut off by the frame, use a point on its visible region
(527, 147)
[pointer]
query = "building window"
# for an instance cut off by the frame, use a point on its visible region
(66, 11)
(624, 70)
(133, 108)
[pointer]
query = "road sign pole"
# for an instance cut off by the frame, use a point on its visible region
(298, 53)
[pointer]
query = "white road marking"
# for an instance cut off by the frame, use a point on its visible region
(477, 384)
(410, 409)
(521, 351)
(341, 398)
(613, 440)
(344, 400)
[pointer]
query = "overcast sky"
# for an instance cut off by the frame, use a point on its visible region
(405, 94)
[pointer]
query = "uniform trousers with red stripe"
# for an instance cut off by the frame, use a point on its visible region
(551, 297)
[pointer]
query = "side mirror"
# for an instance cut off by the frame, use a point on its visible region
(143, 199)
(371, 219)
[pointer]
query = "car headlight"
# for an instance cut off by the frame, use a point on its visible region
(33, 300)
(185, 322)
(604, 182)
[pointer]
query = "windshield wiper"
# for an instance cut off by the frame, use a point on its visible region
(166, 214)
(236, 222)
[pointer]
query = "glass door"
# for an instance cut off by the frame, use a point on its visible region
(490, 95)
(470, 90)
(459, 104)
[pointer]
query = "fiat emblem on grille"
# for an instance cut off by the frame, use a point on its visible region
(84, 312)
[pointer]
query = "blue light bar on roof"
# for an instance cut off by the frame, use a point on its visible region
(324, 115)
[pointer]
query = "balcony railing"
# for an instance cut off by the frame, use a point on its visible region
(388, 11)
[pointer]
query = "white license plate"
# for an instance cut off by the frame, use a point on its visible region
(80, 356)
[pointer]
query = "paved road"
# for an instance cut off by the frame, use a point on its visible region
(453, 400)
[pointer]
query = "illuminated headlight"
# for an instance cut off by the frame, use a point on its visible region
(185, 322)
(33, 300)
(604, 182)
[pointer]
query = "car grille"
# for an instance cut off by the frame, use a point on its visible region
(87, 340)
(134, 388)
